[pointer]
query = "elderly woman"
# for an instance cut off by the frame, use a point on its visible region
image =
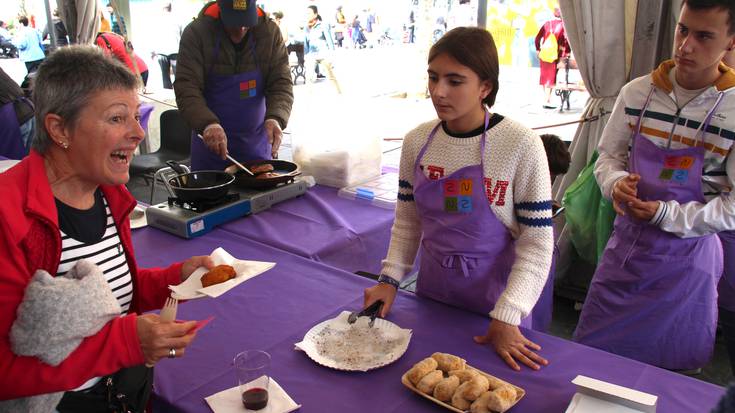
(67, 201)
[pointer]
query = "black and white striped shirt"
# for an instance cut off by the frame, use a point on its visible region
(107, 253)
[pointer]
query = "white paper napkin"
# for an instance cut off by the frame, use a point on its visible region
(138, 218)
(230, 401)
(245, 270)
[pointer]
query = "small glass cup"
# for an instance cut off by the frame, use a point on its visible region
(253, 376)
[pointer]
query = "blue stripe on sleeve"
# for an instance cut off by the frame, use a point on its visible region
(404, 184)
(405, 197)
(534, 206)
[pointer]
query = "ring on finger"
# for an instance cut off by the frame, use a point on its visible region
(171, 353)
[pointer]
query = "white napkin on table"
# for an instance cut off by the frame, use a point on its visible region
(245, 270)
(230, 401)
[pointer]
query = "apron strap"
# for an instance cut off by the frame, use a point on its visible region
(702, 130)
(637, 132)
(436, 128)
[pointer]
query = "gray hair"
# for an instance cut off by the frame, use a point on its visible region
(67, 80)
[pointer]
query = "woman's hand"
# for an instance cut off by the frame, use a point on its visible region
(193, 263)
(385, 292)
(157, 338)
(510, 344)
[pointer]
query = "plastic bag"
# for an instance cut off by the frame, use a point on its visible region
(590, 216)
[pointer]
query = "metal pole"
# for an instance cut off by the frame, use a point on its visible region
(50, 26)
(482, 14)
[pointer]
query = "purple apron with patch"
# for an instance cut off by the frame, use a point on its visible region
(653, 297)
(11, 143)
(467, 252)
(726, 286)
(239, 103)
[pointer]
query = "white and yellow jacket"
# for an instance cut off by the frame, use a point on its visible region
(664, 122)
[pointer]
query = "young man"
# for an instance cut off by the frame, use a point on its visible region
(664, 162)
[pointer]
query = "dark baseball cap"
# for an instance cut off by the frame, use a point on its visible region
(238, 13)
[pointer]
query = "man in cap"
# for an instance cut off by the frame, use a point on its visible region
(233, 84)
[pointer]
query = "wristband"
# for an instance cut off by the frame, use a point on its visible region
(384, 279)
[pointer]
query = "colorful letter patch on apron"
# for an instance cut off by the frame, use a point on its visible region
(458, 195)
(248, 89)
(676, 169)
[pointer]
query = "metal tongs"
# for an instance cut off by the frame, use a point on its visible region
(371, 311)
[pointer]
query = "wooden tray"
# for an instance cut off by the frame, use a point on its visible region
(406, 382)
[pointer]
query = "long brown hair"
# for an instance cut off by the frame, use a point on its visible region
(475, 48)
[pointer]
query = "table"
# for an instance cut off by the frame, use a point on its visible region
(348, 234)
(274, 310)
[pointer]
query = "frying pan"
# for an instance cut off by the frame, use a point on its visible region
(199, 185)
(286, 171)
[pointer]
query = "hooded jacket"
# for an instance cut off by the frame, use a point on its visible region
(196, 59)
(664, 122)
(30, 240)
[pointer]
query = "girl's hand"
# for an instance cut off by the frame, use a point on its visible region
(511, 345)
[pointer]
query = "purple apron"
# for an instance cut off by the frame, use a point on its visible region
(11, 143)
(467, 252)
(653, 297)
(726, 286)
(544, 308)
(239, 103)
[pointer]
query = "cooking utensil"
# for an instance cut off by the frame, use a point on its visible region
(286, 172)
(233, 160)
(199, 185)
(371, 311)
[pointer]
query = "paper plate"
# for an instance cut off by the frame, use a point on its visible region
(339, 345)
(138, 218)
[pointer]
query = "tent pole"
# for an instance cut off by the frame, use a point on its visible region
(482, 14)
(50, 26)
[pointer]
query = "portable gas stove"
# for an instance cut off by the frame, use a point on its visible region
(192, 219)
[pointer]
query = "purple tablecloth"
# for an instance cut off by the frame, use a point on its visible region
(274, 310)
(348, 234)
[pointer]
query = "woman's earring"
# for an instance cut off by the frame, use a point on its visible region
(64, 145)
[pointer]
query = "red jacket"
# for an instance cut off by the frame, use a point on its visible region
(555, 26)
(30, 240)
(115, 45)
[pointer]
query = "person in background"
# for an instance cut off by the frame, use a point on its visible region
(116, 46)
(340, 26)
(167, 48)
(28, 42)
(726, 286)
(318, 43)
(233, 84)
(358, 37)
(278, 19)
(551, 46)
(7, 48)
(67, 202)
(471, 195)
(17, 124)
(115, 24)
(62, 37)
(665, 162)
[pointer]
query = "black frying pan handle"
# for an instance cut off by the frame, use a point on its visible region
(176, 167)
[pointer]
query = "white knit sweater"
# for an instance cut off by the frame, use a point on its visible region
(513, 153)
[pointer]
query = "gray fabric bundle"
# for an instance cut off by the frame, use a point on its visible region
(56, 314)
